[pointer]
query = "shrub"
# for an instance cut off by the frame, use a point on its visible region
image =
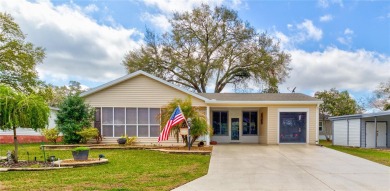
(88, 133)
(51, 134)
(72, 117)
(78, 149)
(130, 140)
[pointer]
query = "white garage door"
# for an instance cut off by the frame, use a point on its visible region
(340, 132)
(354, 133)
(371, 134)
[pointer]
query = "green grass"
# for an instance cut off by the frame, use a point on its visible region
(126, 170)
(375, 155)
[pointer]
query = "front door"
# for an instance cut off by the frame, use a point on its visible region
(235, 129)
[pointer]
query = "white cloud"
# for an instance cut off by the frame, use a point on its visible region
(77, 47)
(298, 34)
(326, 18)
(327, 3)
(169, 6)
(358, 70)
(348, 31)
(309, 31)
(91, 8)
(347, 38)
(159, 20)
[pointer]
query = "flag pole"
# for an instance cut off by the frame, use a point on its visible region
(189, 130)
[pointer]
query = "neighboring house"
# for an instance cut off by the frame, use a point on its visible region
(28, 135)
(129, 105)
(324, 127)
(362, 130)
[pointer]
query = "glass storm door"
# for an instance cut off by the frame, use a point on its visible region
(292, 127)
(235, 129)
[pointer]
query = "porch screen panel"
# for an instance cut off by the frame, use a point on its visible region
(131, 130)
(154, 130)
(131, 115)
(107, 130)
(107, 115)
(154, 116)
(143, 131)
(119, 130)
(140, 122)
(119, 115)
(143, 116)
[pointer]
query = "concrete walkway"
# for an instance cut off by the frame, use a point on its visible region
(288, 167)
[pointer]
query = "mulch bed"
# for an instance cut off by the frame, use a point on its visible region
(186, 148)
(24, 164)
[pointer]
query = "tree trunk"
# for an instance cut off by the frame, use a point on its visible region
(194, 139)
(16, 146)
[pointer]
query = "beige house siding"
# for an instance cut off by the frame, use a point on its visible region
(273, 128)
(263, 126)
(140, 91)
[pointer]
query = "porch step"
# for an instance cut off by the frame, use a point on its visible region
(147, 141)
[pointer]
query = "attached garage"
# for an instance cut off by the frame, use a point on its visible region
(362, 130)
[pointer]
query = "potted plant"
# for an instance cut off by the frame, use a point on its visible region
(80, 153)
(122, 140)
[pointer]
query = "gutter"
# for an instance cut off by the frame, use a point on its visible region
(263, 102)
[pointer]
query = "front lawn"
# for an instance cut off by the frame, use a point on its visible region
(376, 155)
(126, 170)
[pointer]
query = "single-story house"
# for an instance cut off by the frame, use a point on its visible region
(28, 135)
(129, 105)
(368, 130)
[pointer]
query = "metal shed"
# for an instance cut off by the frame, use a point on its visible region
(370, 130)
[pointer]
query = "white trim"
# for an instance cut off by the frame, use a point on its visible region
(261, 102)
(307, 110)
(134, 74)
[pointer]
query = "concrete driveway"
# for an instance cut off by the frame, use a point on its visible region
(288, 167)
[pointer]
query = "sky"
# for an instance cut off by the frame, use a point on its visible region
(333, 43)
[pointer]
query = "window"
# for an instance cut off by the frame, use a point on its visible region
(292, 127)
(220, 122)
(249, 123)
(320, 126)
(140, 122)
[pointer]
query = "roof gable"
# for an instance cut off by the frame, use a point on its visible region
(133, 75)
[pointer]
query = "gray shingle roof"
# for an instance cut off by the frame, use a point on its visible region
(258, 97)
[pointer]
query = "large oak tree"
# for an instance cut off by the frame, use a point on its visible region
(211, 46)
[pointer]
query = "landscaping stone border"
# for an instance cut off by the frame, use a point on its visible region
(183, 151)
(80, 163)
(33, 169)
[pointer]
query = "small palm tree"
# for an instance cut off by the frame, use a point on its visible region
(199, 125)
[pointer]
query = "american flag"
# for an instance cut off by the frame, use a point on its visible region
(176, 117)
